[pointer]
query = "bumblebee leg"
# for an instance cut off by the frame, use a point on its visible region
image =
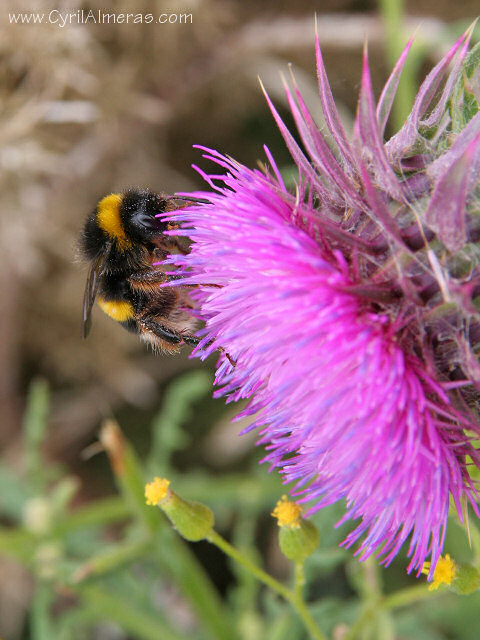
(160, 330)
(193, 341)
(171, 243)
(149, 276)
(183, 250)
(155, 276)
(171, 336)
(171, 276)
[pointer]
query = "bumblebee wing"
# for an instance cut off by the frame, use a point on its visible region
(97, 268)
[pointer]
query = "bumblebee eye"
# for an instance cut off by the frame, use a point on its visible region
(138, 212)
(144, 221)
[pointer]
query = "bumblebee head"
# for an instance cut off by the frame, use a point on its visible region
(129, 218)
(138, 213)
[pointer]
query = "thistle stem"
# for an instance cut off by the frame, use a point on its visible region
(295, 597)
(392, 12)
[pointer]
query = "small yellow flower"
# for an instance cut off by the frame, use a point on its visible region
(192, 520)
(298, 538)
(444, 573)
(287, 513)
(156, 491)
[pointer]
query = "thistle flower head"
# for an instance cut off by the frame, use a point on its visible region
(350, 306)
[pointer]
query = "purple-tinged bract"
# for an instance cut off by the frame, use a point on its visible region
(350, 307)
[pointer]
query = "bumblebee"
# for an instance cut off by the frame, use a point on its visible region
(122, 239)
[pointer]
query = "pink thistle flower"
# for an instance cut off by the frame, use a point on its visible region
(353, 330)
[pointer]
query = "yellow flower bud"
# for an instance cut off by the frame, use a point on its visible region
(288, 513)
(156, 491)
(467, 579)
(444, 572)
(298, 538)
(458, 577)
(192, 520)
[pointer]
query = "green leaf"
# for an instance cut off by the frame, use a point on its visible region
(176, 555)
(18, 543)
(42, 625)
(35, 426)
(466, 95)
(128, 473)
(167, 433)
(192, 579)
(95, 514)
(14, 494)
(106, 605)
(112, 559)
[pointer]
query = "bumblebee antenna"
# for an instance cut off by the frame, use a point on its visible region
(190, 199)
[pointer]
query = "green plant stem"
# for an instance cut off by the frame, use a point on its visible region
(294, 597)
(392, 12)
(407, 596)
(369, 589)
(373, 606)
(369, 612)
(194, 582)
(42, 627)
(299, 579)
(216, 539)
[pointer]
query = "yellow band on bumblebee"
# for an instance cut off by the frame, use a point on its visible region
(119, 311)
(108, 218)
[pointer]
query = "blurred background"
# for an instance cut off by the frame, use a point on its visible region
(89, 109)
